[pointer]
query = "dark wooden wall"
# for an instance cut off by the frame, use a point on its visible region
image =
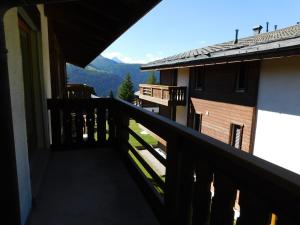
(220, 83)
(57, 65)
(221, 106)
(168, 77)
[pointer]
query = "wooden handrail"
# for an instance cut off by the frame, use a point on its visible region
(195, 162)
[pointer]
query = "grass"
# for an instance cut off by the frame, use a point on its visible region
(146, 174)
(133, 125)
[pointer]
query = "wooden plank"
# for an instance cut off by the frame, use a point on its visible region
(252, 210)
(55, 127)
(67, 126)
(101, 125)
(154, 199)
(202, 193)
(161, 159)
(223, 200)
(148, 168)
(91, 124)
(79, 126)
(112, 125)
(172, 179)
(186, 185)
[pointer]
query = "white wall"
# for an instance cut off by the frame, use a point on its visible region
(18, 110)
(46, 78)
(277, 137)
(45, 51)
(182, 80)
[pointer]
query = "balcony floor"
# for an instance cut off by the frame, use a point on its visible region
(90, 187)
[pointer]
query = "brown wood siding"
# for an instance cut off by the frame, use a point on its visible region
(217, 118)
(220, 84)
(168, 77)
(221, 105)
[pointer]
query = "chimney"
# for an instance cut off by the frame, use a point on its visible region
(267, 26)
(275, 27)
(236, 40)
(257, 29)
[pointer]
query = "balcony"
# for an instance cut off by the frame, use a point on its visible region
(204, 180)
(163, 95)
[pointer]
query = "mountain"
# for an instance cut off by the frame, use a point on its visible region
(116, 59)
(106, 74)
(102, 81)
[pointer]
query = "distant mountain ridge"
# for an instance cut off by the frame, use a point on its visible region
(106, 74)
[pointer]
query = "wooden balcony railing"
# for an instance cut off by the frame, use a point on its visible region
(162, 94)
(195, 163)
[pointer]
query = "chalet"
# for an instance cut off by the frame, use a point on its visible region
(243, 92)
(69, 159)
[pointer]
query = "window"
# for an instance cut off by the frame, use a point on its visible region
(197, 122)
(241, 80)
(197, 74)
(236, 136)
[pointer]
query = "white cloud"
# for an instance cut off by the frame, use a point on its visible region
(127, 59)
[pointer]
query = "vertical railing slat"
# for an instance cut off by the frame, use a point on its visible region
(91, 124)
(252, 210)
(79, 126)
(101, 125)
(67, 125)
(202, 193)
(223, 200)
(55, 125)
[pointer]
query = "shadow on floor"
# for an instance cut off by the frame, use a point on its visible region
(90, 187)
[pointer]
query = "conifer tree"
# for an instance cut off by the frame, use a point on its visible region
(126, 91)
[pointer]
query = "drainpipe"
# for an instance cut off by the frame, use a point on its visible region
(7, 145)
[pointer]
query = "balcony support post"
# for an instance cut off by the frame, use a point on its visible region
(10, 195)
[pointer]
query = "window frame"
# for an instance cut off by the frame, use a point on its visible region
(199, 126)
(198, 76)
(241, 71)
(232, 137)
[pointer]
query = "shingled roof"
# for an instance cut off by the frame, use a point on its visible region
(257, 45)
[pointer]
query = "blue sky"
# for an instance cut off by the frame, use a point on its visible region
(175, 26)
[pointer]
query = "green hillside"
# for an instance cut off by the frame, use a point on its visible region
(105, 74)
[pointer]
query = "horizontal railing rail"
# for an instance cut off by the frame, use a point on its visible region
(205, 179)
(169, 94)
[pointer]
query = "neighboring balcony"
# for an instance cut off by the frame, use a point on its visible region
(163, 94)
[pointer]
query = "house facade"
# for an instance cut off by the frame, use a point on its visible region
(243, 92)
